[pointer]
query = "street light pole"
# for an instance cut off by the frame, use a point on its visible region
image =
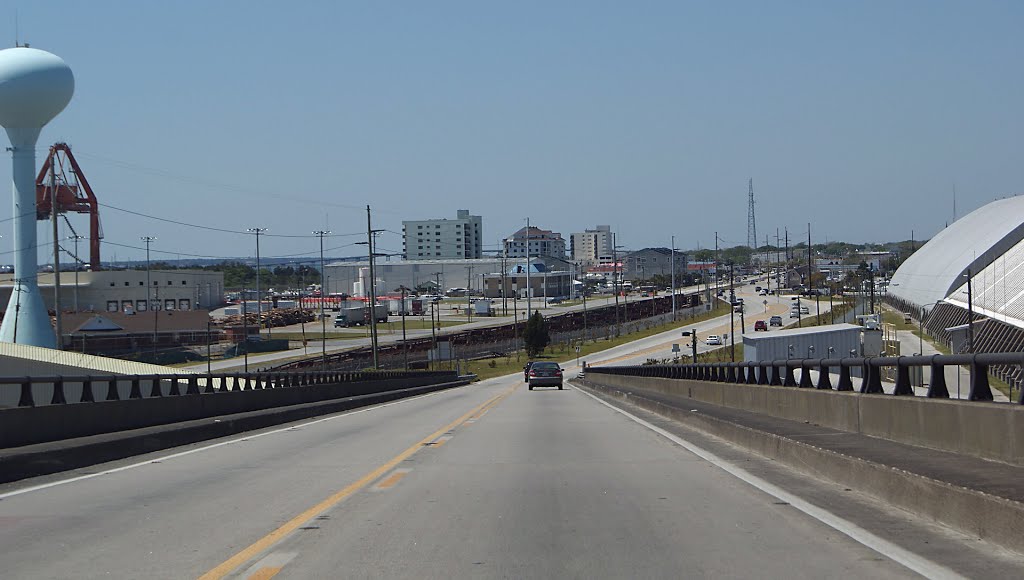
(323, 319)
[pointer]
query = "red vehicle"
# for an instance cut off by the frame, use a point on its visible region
(760, 325)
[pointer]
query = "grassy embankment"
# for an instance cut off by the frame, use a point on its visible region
(485, 369)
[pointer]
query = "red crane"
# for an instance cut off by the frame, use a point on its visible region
(73, 195)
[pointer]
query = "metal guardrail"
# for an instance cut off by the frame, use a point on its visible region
(783, 373)
(106, 387)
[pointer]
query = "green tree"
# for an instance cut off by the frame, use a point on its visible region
(535, 335)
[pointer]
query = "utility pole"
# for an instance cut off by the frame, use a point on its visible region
(504, 273)
(970, 312)
(56, 249)
(751, 224)
(259, 294)
(716, 262)
(529, 289)
(78, 264)
(732, 311)
(405, 343)
(469, 287)
(769, 268)
(810, 276)
(149, 293)
(871, 272)
(323, 296)
(673, 264)
(615, 283)
(370, 233)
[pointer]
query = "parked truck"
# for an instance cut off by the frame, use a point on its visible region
(482, 307)
(360, 315)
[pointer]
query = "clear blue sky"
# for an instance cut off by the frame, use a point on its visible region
(858, 117)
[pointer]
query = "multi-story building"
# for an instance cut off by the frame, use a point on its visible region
(648, 262)
(534, 242)
(439, 239)
(593, 247)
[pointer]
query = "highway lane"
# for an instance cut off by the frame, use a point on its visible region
(515, 484)
(484, 481)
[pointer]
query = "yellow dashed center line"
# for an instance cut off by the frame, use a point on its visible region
(264, 543)
(391, 480)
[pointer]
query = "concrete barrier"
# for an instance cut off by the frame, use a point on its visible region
(31, 425)
(56, 456)
(980, 429)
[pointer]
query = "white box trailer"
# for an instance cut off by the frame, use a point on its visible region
(811, 342)
(482, 308)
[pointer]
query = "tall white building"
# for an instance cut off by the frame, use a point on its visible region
(535, 242)
(460, 238)
(593, 247)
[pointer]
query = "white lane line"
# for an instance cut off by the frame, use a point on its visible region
(237, 439)
(910, 560)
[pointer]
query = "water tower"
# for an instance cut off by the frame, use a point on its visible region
(34, 87)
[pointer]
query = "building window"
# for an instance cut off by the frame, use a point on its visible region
(113, 284)
(141, 283)
(183, 283)
(111, 304)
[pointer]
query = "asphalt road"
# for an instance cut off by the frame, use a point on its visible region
(485, 481)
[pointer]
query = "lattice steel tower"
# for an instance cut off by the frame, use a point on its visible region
(751, 225)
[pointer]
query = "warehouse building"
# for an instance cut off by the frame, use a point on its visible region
(126, 290)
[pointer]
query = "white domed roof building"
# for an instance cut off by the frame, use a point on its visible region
(987, 245)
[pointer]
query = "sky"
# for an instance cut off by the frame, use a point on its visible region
(860, 118)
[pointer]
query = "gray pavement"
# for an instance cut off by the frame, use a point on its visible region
(485, 481)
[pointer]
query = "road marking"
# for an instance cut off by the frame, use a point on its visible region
(269, 567)
(264, 543)
(910, 560)
(390, 481)
(237, 439)
(264, 574)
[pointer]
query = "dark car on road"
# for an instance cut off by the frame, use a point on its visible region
(775, 321)
(544, 374)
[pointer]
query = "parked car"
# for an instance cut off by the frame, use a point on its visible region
(713, 339)
(544, 374)
(775, 321)
(760, 325)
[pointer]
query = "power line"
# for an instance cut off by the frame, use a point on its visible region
(212, 228)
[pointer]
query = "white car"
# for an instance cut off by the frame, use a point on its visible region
(713, 339)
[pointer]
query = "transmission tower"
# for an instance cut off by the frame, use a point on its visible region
(751, 225)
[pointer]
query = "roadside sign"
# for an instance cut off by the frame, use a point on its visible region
(577, 348)
(675, 347)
